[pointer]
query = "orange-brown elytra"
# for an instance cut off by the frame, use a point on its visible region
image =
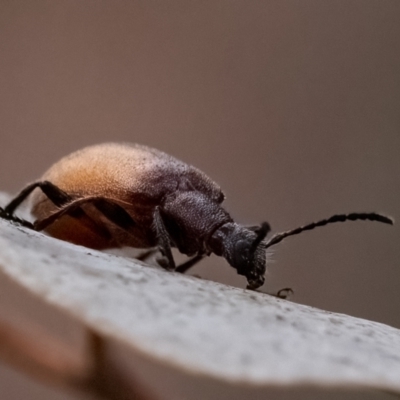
(115, 195)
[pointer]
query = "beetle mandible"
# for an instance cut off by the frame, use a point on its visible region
(116, 195)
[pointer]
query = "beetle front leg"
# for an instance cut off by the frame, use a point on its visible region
(184, 267)
(284, 293)
(145, 254)
(167, 261)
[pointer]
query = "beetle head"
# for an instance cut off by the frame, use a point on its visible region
(244, 249)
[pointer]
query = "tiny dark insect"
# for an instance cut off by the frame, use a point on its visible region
(116, 195)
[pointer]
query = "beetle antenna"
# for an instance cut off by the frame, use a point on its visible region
(261, 232)
(335, 218)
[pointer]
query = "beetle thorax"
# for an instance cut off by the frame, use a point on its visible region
(191, 218)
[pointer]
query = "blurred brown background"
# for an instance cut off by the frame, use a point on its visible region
(291, 106)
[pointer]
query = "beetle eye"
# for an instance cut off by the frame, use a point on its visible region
(221, 198)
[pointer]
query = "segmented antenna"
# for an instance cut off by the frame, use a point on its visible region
(261, 232)
(278, 237)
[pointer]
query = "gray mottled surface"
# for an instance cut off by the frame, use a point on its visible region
(200, 326)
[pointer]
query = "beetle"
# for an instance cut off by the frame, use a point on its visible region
(119, 194)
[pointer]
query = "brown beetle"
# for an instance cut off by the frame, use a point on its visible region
(115, 195)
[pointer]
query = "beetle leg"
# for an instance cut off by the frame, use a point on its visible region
(43, 223)
(144, 255)
(189, 263)
(108, 207)
(284, 293)
(54, 193)
(167, 261)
